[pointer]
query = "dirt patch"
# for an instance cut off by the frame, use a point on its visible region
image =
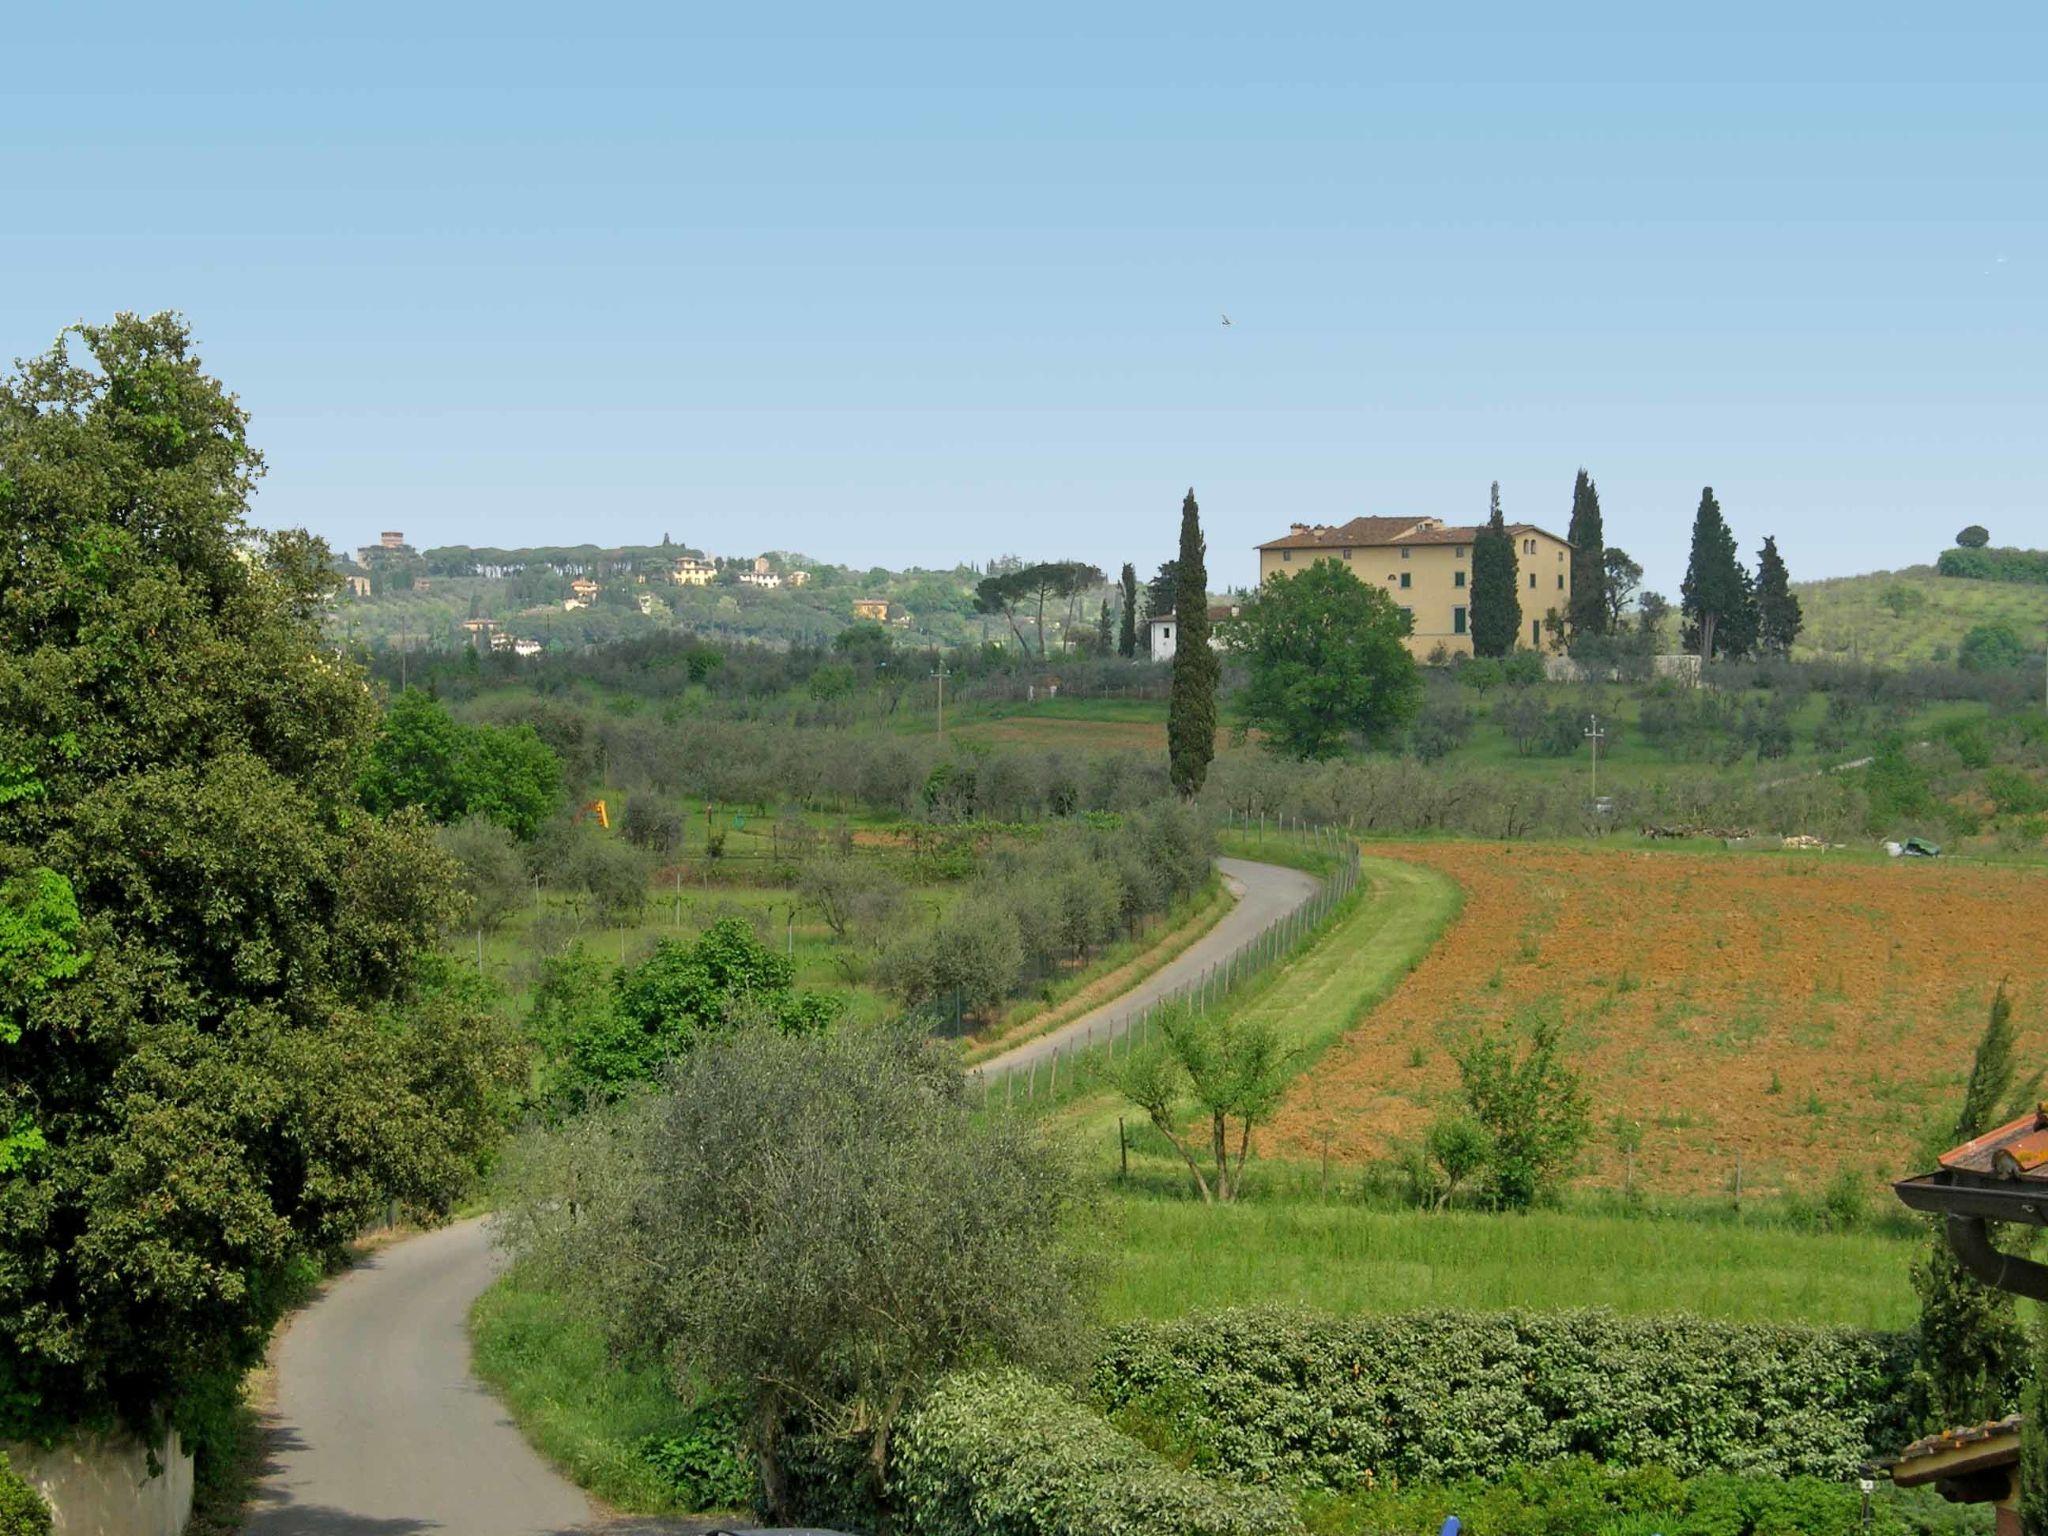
(1807, 1015)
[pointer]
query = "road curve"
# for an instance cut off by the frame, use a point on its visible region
(379, 1429)
(1265, 894)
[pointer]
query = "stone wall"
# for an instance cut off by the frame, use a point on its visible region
(103, 1485)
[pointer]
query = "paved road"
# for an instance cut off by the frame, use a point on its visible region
(380, 1430)
(1265, 894)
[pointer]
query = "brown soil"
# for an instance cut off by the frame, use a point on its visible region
(1806, 1014)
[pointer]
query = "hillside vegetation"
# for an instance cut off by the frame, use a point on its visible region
(1900, 618)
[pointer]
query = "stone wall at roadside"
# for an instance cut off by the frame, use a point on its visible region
(99, 1485)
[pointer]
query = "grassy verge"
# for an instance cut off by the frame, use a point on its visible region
(1346, 1258)
(1107, 977)
(583, 1410)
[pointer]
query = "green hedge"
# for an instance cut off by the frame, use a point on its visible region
(1000, 1454)
(1580, 1497)
(1320, 1402)
(2017, 565)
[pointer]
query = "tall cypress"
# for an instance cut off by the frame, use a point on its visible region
(1715, 597)
(1127, 634)
(1588, 611)
(1778, 619)
(1496, 606)
(1191, 705)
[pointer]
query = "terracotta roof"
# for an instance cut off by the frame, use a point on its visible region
(1383, 532)
(1956, 1439)
(2018, 1150)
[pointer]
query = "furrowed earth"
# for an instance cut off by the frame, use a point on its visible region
(1808, 1012)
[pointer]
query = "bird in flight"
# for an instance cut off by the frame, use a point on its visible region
(1226, 319)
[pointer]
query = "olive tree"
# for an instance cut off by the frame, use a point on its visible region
(1227, 1068)
(821, 1226)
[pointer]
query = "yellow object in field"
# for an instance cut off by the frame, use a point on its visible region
(596, 808)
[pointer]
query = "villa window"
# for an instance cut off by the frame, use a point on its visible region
(1404, 552)
(1560, 581)
(1347, 554)
(1406, 582)
(1457, 621)
(1532, 581)
(1458, 553)
(1457, 578)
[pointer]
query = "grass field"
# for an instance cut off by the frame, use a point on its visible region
(1805, 1012)
(1171, 1256)
(1898, 617)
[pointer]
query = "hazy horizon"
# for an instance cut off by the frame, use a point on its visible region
(929, 287)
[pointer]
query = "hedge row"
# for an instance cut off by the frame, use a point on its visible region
(1267, 1396)
(1001, 1454)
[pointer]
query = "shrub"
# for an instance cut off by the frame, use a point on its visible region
(1993, 647)
(22, 1510)
(705, 1463)
(1000, 1454)
(1339, 1404)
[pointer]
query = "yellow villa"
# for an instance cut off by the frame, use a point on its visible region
(1425, 565)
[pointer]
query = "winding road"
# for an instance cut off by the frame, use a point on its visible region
(380, 1429)
(1265, 894)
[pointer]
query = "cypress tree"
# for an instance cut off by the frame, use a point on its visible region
(1127, 635)
(1778, 619)
(1715, 597)
(1588, 611)
(1496, 605)
(1191, 705)
(1103, 632)
(1972, 1347)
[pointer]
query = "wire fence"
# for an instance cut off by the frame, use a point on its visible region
(1058, 1075)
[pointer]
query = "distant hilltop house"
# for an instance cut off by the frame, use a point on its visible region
(799, 578)
(689, 571)
(358, 586)
(585, 588)
(875, 608)
(766, 580)
(1425, 565)
(391, 543)
(1162, 629)
(479, 626)
(526, 647)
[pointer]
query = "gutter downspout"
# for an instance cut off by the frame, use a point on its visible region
(1970, 1239)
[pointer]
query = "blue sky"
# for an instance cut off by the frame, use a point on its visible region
(941, 283)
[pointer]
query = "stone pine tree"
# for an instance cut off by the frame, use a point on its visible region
(1496, 606)
(1715, 597)
(1191, 705)
(1127, 631)
(1778, 619)
(1589, 613)
(1971, 1345)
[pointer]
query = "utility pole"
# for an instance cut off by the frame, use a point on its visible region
(941, 674)
(1595, 735)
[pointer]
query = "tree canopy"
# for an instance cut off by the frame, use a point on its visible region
(1589, 611)
(213, 1066)
(1976, 536)
(424, 757)
(1715, 598)
(1127, 611)
(1496, 606)
(1032, 587)
(1327, 660)
(1191, 703)
(1778, 619)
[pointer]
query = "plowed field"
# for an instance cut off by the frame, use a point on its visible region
(1804, 1014)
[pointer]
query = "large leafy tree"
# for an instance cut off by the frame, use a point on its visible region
(1778, 619)
(1191, 700)
(1496, 605)
(1588, 614)
(423, 757)
(1620, 577)
(1327, 660)
(1025, 592)
(1715, 598)
(214, 1041)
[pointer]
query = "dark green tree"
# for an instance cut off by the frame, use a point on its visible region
(1976, 536)
(1105, 629)
(249, 1061)
(1715, 598)
(1496, 605)
(1127, 627)
(1778, 619)
(1327, 659)
(1588, 612)
(1972, 1348)
(1161, 590)
(1992, 647)
(1621, 576)
(1191, 703)
(424, 757)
